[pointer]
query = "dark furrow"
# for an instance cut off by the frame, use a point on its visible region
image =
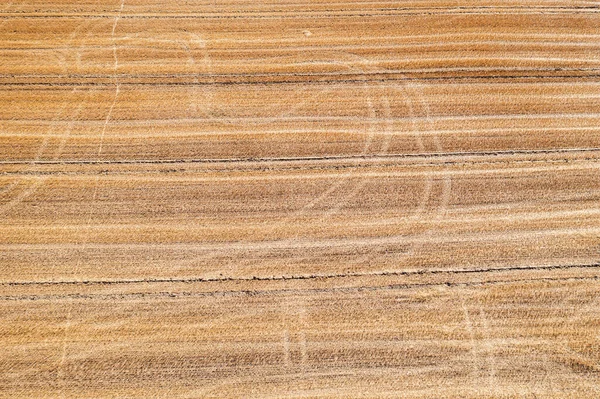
(373, 157)
(293, 74)
(315, 14)
(293, 168)
(460, 79)
(303, 277)
(331, 10)
(479, 40)
(286, 291)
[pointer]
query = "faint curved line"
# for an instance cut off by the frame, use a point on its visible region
(116, 79)
(326, 193)
(60, 373)
(429, 180)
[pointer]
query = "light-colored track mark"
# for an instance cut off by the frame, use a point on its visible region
(117, 84)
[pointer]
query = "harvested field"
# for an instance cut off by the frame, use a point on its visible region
(324, 199)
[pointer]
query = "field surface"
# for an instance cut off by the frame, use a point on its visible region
(299, 199)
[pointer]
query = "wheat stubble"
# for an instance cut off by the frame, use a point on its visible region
(299, 199)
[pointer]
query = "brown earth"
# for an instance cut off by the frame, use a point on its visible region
(299, 199)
